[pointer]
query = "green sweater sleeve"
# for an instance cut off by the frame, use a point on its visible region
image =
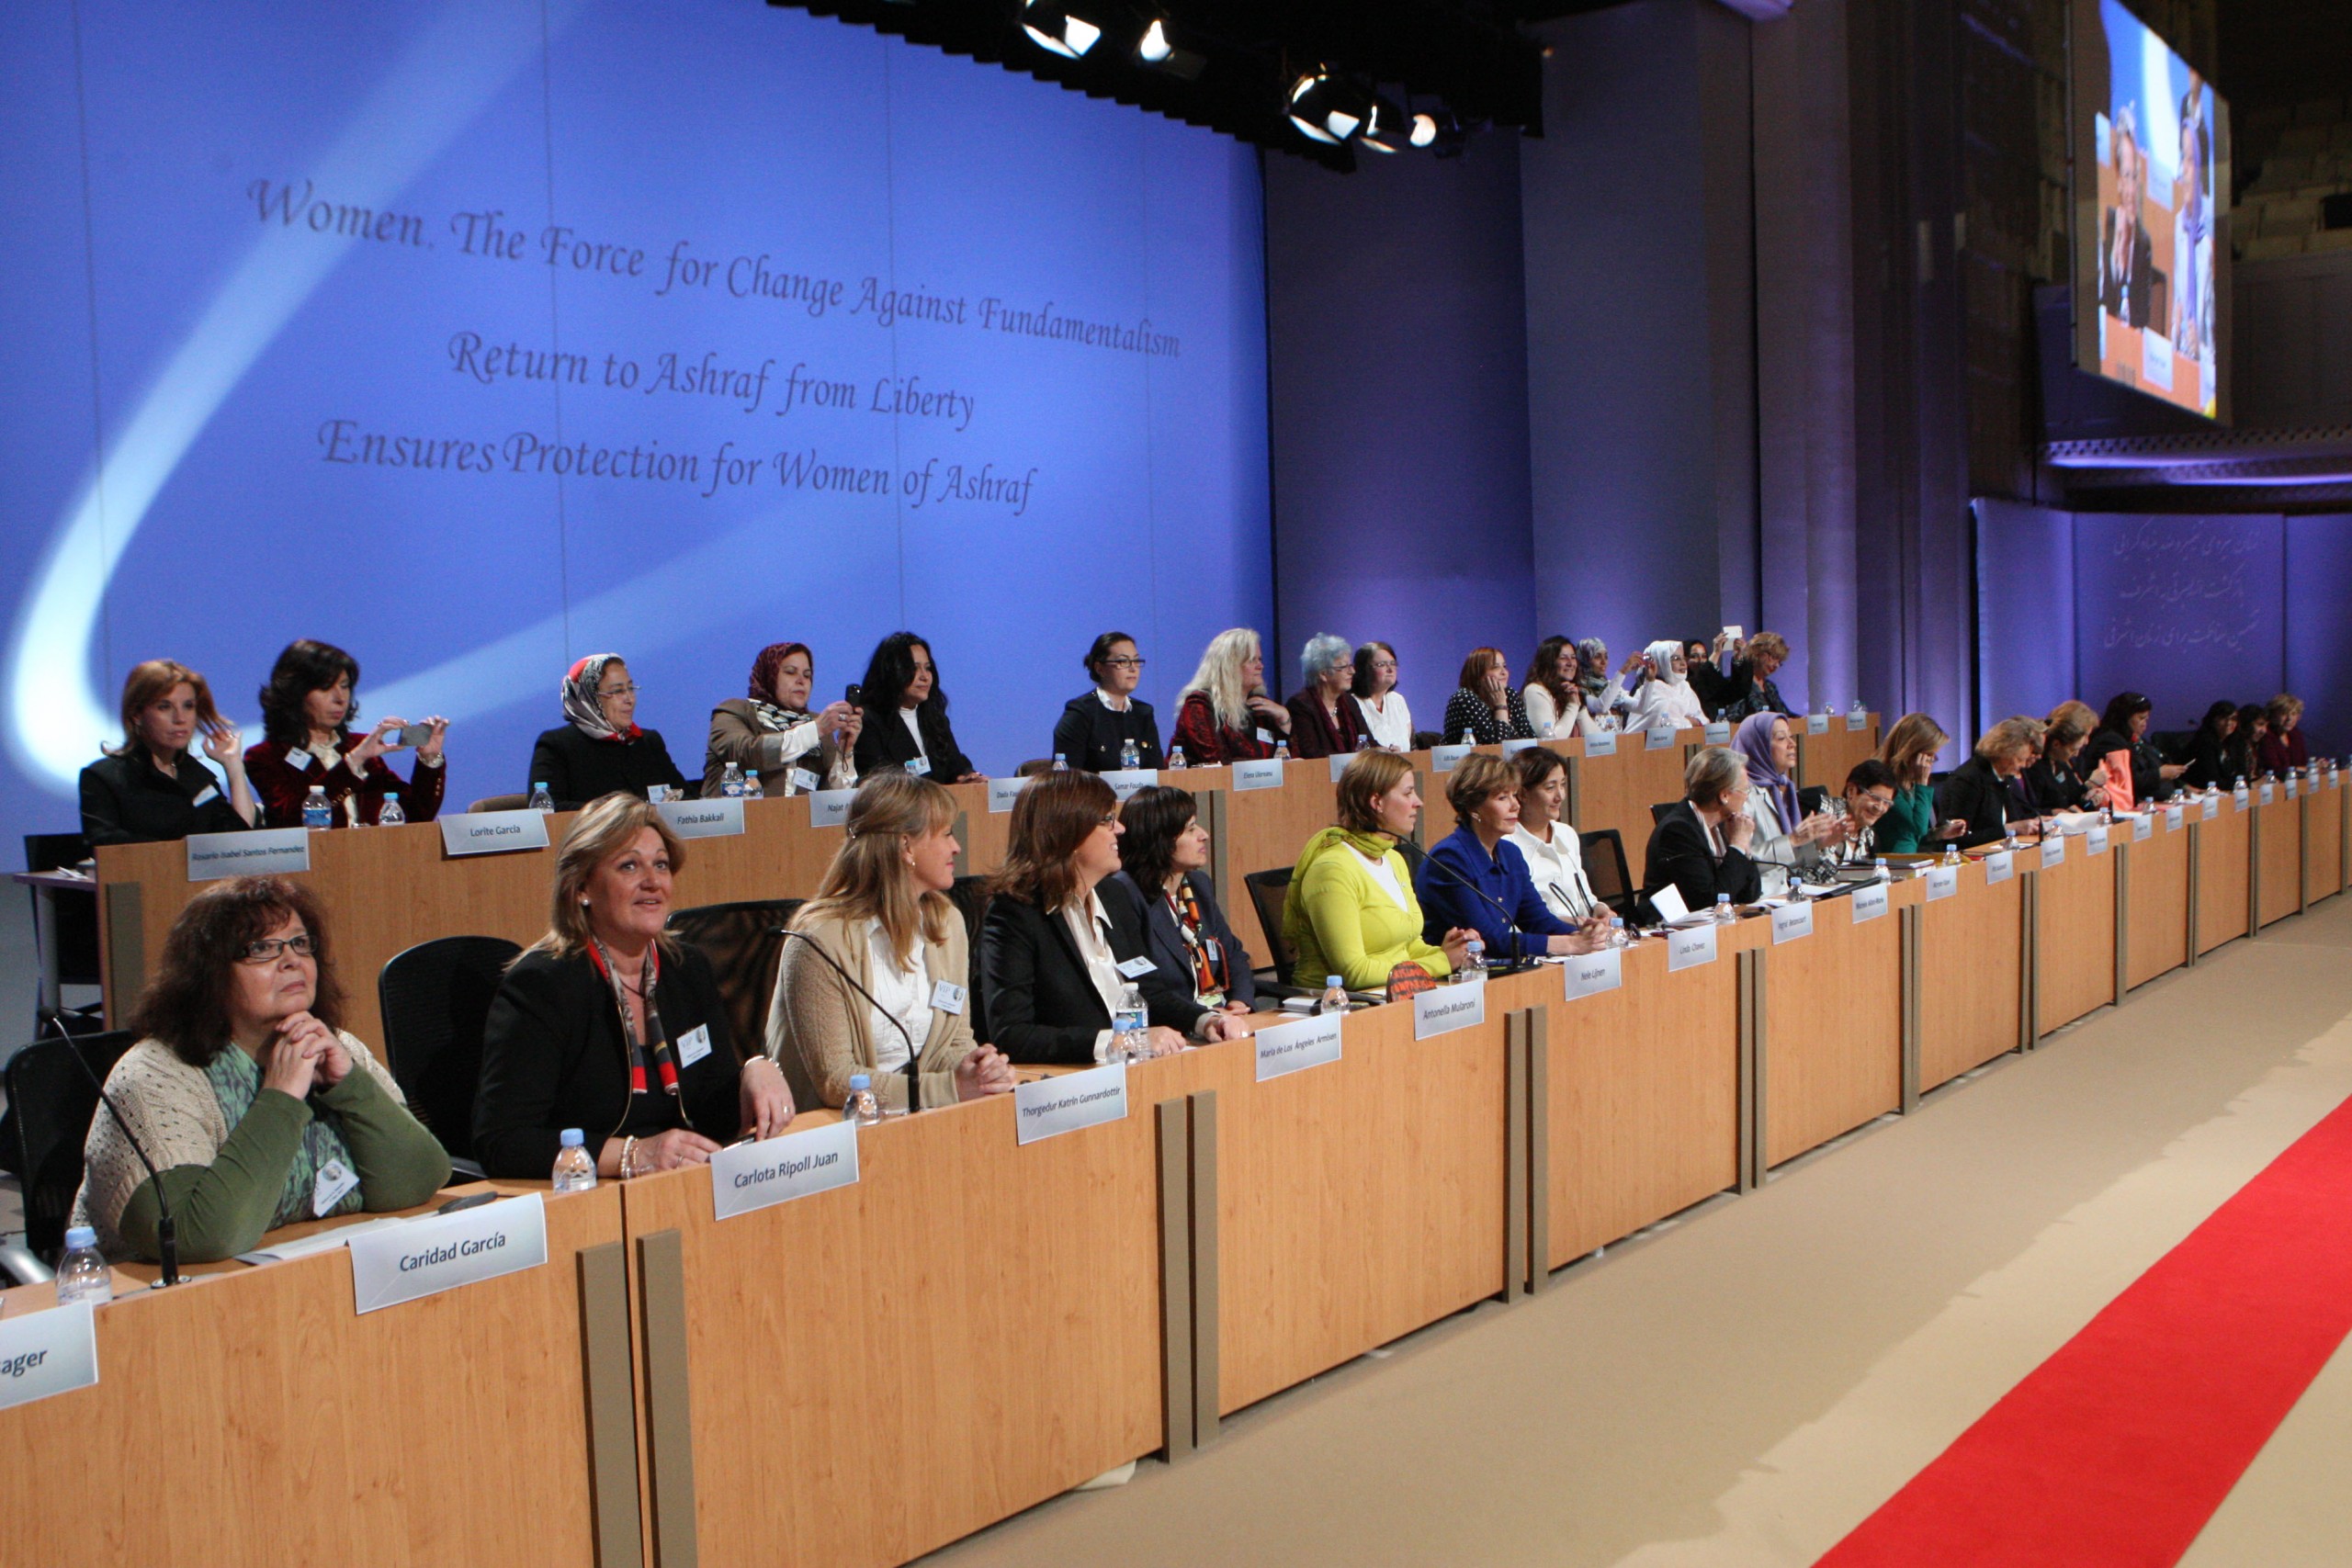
(400, 1163)
(1908, 820)
(1335, 894)
(223, 1209)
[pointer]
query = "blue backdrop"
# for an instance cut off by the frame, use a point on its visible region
(480, 336)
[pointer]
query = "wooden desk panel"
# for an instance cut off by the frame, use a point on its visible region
(1643, 1099)
(2221, 868)
(2157, 906)
(253, 1418)
(1265, 828)
(1833, 1037)
(2077, 962)
(2323, 842)
(1825, 760)
(2283, 856)
(1618, 792)
(1972, 958)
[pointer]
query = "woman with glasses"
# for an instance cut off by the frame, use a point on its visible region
(1324, 719)
(598, 750)
(1381, 710)
(1095, 731)
(1700, 848)
(257, 1109)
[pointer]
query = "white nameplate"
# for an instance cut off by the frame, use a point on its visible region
(1266, 772)
(2053, 849)
(440, 1252)
(1998, 867)
(2143, 826)
(1309, 1042)
(1658, 739)
(1816, 724)
(776, 1170)
(493, 832)
(1002, 793)
(1064, 1104)
(2212, 807)
(1943, 881)
(1125, 781)
(1790, 921)
(2174, 817)
(720, 818)
(1688, 947)
(2291, 785)
(1719, 735)
(1870, 903)
(1519, 743)
(1446, 759)
(2095, 839)
(1339, 761)
(829, 807)
(272, 852)
(1857, 720)
(1602, 745)
(2268, 792)
(1590, 973)
(49, 1352)
(1445, 1009)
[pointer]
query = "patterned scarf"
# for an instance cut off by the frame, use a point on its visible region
(1593, 666)
(581, 707)
(656, 1046)
(236, 1083)
(1207, 954)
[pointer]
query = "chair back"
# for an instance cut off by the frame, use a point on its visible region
(970, 895)
(1605, 868)
(1269, 894)
(51, 1101)
(500, 803)
(742, 942)
(1658, 809)
(76, 923)
(1811, 799)
(436, 998)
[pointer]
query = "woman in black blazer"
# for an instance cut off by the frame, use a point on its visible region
(1162, 854)
(2210, 764)
(902, 688)
(151, 788)
(598, 750)
(1978, 791)
(1700, 848)
(609, 1024)
(1094, 728)
(1054, 956)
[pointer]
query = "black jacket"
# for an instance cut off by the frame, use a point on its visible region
(2052, 788)
(2148, 783)
(1088, 733)
(883, 742)
(578, 769)
(1981, 798)
(1165, 942)
(1042, 1005)
(1679, 855)
(2209, 763)
(1743, 695)
(553, 1056)
(128, 800)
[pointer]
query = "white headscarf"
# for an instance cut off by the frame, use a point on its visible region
(1663, 655)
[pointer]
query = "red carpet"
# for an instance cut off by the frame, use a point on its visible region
(2119, 1448)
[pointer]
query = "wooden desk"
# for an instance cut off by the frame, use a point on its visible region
(2157, 901)
(1833, 1026)
(2323, 839)
(1972, 957)
(2075, 959)
(2222, 873)
(1825, 760)
(2282, 855)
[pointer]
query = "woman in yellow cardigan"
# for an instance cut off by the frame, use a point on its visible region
(1352, 910)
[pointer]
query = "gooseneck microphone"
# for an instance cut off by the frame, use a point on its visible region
(1519, 959)
(913, 1069)
(167, 1245)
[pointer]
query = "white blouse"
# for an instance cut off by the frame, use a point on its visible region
(1383, 876)
(1089, 924)
(1391, 723)
(1558, 871)
(905, 995)
(1665, 703)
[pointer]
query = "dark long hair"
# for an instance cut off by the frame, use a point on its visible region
(1154, 819)
(305, 667)
(185, 1004)
(1542, 672)
(2211, 723)
(1365, 655)
(2119, 709)
(892, 670)
(1050, 819)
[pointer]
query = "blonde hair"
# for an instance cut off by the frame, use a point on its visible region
(2283, 709)
(868, 879)
(1915, 734)
(1478, 778)
(1772, 645)
(1370, 775)
(2011, 736)
(1219, 676)
(605, 828)
(1713, 773)
(2069, 723)
(152, 679)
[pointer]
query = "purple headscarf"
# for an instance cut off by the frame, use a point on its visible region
(1753, 740)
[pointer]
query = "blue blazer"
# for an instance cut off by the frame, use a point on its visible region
(1166, 943)
(1502, 876)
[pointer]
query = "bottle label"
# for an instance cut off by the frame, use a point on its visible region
(776, 1171)
(1288, 1047)
(44, 1353)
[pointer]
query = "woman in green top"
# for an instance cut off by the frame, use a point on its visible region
(1909, 827)
(256, 1110)
(1352, 910)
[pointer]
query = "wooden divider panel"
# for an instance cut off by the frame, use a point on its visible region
(2221, 874)
(1618, 792)
(1970, 964)
(2077, 960)
(1265, 828)
(2323, 844)
(2283, 856)
(2157, 904)
(1833, 1028)
(1825, 760)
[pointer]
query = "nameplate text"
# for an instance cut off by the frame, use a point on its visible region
(493, 832)
(440, 1252)
(776, 1170)
(1053, 1106)
(49, 1352)
(272, 852)
(1288, 1047)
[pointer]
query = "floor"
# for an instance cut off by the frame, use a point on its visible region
(1743, 1384)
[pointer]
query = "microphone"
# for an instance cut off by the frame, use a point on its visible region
(913, 1069)
(167, 1244)
(1518, 942)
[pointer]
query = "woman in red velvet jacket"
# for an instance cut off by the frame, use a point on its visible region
(1224, 714)
(306, 713)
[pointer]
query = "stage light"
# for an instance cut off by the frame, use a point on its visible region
(1328, 109)
(1386, 128)
(1155, 50)
(1308, 105)
(1056, 30)
(1424, 129)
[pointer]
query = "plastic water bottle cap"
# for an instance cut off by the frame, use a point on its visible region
(80, 1236)
(571, 1138)
(859, 1081)
(1330, 981)
(538, 784)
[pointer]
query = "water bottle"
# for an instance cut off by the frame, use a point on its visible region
(1618, 935)
(1547, 729)
(317, 815)
(731, 783)
(2106, 816)
(861, 1108)
(1474, 960)
(1879, 865)
(1725, 913)
(1176, 757)
(752, 788)
(390, 815)
(1130, 756)
(1467, 740)
(1334, 998)
(1129, 1028)
(1952, 855)
(1364, 742)
(1061, 763)
(575, 1172)
(1282, 750)
(82, 1274)
(540, 799)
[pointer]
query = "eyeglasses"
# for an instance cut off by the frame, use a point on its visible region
(1123, 663)
(628, 690)
(1109, 821)
(267, 950)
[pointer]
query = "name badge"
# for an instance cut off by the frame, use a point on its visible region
(801, 781)
(694, 1045)
(1689, 947)
(1519, 743)
(2174, 818)
(1125, 781)
(440, 1252)
(829, 807)
(44, 1353)
(776, 1171)
(946, 997)
(718, 819)
(656, 794)
(1870, 902)
(2143, 826)
(210, 793)
(1790, 921)
(1053, 1106)
(1858, 720)
(1602, 745)
(1658, 738)
(1339, 761)
(1718, 734)
(1265, 736)
(1441, 1009)
(299, 760)
(1943, 881)
(1446, 759)
(1262, 774)
(1288, 1047)
(335, 1179)
(1135, 968)
(493, 832)
(2053, 849)
(2095, 839)
(1816, 724)
(2268, 792)
(1998, 867)
(1002, 793)
(273, 852)
(1590, 973)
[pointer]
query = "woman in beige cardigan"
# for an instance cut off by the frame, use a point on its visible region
(878, 961)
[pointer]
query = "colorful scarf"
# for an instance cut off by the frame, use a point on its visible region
(580, 706)
(1208, 960)
(656, 1045)
(1330, 841)
(1593, 666)
(236, 1084)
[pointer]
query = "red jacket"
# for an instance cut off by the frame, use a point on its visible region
(281, 787)
(1206, 741)
(2282, 754)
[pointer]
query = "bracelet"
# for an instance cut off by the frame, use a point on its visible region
(628, 1158)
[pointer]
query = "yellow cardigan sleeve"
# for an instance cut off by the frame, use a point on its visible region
(1336, 894)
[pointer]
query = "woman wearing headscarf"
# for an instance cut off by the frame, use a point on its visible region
(599, 749)
(1667, 700)
(772, 733)
(1788, 843)
(1603, 693)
